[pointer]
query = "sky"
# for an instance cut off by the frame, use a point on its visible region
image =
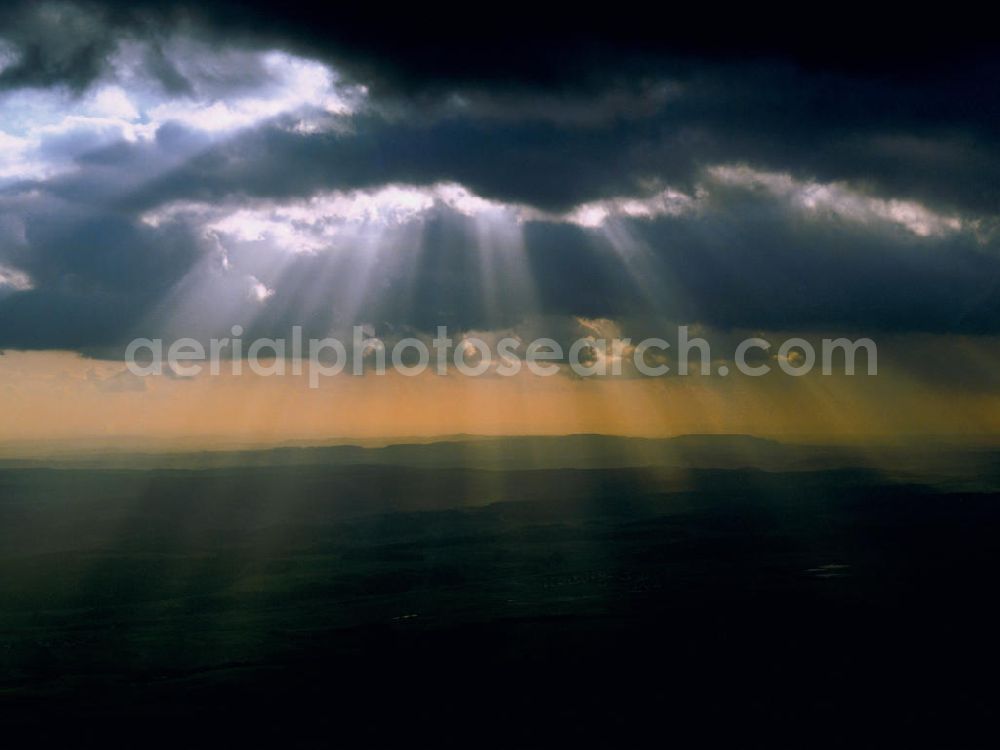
(171, 171)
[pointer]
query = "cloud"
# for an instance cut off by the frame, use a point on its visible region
(839, 200)
(47, 132)
(54, 43)
(414, 257)
(177, 172)
(15, 280)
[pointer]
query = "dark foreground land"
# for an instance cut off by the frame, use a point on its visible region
(354, 604)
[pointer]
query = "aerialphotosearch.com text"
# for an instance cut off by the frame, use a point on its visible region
(473, 356)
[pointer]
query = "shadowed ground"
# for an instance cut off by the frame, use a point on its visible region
(311, 604)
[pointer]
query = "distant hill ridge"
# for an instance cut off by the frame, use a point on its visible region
(957, 467)
(579, 451)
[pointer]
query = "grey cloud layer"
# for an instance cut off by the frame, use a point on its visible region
(867, 200)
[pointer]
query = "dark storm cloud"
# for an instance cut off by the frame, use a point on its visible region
(525, 45)
(93, 273)
(55, 44)
(518, 109)
(752, 259)
(914, 115)
(905, 140)
(534, 163)
(741, 262)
